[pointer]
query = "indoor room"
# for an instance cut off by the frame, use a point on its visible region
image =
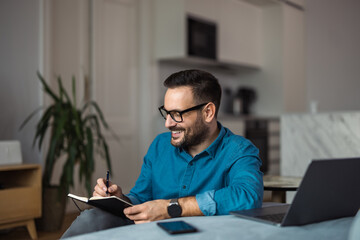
(82, 84)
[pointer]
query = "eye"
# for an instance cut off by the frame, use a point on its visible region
(176, 114)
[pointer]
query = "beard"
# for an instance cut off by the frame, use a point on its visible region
(193, 135)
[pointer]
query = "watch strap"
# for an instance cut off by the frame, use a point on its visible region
(174, 201)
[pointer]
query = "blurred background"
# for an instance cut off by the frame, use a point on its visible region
(272, 57)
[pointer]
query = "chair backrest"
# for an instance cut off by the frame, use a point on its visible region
(10, 152)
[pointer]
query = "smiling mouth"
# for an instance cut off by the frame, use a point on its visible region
(176, 133)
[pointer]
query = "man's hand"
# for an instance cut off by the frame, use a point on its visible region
(100, 189)
(148, 211)
(157, 210)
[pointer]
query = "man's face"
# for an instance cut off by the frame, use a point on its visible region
(193, 130)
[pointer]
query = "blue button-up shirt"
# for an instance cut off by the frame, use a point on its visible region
(224, 177)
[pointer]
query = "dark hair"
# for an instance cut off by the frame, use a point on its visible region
(205, 86)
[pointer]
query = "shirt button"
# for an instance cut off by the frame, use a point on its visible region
(184, 187)
(191, 164)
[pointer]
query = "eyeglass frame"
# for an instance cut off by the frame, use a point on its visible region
(180, 112)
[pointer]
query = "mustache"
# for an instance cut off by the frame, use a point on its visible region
(176, 129)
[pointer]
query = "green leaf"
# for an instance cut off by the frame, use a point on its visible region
(71, 162)
(49, 163)
(47, 88)
(43, 125)
(89, 155)
(99, 112)
(78, 123)
(74, 90)
(45, 122)
(72, 106)
(89, 148)
(29, 117)
(63, 91)
(76, 133)
(55, 147)
(68, 168)
(93, 118)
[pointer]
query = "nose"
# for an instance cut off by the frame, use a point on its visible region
(169, 122)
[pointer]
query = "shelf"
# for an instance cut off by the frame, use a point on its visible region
(237, 47)
(20, 196)
(203, 62)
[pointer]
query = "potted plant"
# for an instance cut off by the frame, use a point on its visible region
(75, 134)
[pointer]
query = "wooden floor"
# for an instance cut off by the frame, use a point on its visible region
(20, 233)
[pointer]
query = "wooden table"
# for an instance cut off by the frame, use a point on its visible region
(279, 185)
(20, 196)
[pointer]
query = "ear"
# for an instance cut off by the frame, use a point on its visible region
(209, 112)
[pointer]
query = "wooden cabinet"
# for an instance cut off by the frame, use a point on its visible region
(20, 196)
(281, 83)
(169, 29)
(238, 29)
(239, 33)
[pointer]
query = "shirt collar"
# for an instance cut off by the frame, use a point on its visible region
(211, 150)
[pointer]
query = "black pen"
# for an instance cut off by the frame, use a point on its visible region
(107, 182)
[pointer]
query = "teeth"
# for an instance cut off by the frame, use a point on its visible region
(176, 132)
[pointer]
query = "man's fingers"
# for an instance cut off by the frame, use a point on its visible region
(113, 188)
(140, 217)
(100, 191)
(138, 213)
(95, 194)
(148, 211)
(133, 210)
(101, 183)
(139, 222)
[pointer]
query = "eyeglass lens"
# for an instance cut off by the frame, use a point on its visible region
(176, 116)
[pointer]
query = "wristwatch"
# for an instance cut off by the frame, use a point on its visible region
(174, 208)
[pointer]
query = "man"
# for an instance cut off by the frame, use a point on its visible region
(198, 168)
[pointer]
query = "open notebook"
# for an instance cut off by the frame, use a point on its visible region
(110, 204)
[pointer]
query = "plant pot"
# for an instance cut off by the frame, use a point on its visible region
(53, 209)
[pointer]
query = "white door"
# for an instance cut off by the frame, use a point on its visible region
(115, 84)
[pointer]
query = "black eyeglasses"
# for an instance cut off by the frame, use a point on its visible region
(177, 115)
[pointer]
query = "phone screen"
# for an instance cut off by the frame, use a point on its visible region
(176, 227)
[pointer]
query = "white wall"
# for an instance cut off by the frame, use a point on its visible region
(332, 56)
(20, 58)
(268, 81)
(333, 53)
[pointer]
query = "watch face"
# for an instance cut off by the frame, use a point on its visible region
(174, 210)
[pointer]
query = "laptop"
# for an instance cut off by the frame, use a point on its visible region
(330, 189)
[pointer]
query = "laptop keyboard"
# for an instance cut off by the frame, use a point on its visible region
(273, 217)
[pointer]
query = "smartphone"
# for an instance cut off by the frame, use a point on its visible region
(176, 227)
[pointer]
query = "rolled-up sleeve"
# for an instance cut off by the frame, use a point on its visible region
(243, 188)
(207, 203)
(133, 199)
